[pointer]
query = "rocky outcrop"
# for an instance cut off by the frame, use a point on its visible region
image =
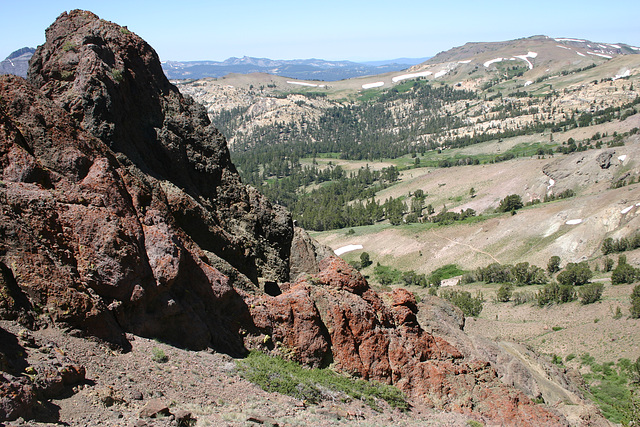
(112, 83)
(120, 211)
(335, 317)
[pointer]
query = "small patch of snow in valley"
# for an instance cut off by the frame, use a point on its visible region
(552, 182)
(372, 85)
(527, 83)
(622, 158)
(464, 62)
(574, 222)
(346, 249)
(440, 73)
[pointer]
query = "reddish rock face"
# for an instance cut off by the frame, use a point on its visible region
(335, 317)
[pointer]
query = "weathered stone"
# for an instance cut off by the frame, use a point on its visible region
(155, 408)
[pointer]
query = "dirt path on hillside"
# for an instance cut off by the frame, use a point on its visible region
(467, 245)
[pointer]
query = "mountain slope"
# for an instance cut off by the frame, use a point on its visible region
(18, 62)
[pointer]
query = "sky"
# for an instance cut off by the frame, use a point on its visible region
(333, 30)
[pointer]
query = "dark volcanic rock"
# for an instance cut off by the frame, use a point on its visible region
(112, 82)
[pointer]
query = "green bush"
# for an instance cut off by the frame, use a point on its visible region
(635, 302)
(274, 374)
(555, 293)
(576, 274)
(158, 355)
(623, 273)
(553, 266)
(504, 293)
(510, 203)
(470, 306)
(590, 293)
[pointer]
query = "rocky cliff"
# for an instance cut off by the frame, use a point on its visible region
(121, 212)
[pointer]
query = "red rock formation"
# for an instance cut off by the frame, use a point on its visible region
(335, 317)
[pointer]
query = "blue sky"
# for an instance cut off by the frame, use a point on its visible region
(333, 30)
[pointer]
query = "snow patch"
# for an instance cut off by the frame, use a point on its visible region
(346, 249)
(634, 48)
(464, 62)
(563, 47)
(493, 61)
(372, 85)
(581, 54)
(401, 77)
(570, 40)
(574, 222)
(305, 84)
(552, 182)
(622, 158)
(440, 73)
(626, 210)
(528, 55)
(527, 83)
(627, 73)
(602, 55)
(615, 46)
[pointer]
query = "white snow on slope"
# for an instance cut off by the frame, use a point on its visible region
(464, 62)
(440, 73)
(573, 222)
(563, 47)
(346, 249)
(622, 158)
(602, 55)
(372, 85)
(305, 84)
(626, 210)
(401, 77)
(527, 83)
(570, 40)
(627, 73)
(581, 54)
(486, 64)
(615, 46)
(528, 55)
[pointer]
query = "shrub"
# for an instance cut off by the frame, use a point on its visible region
(523, 297)
(623, 273)
(470, 306)
(504, 293)
(607, 264)
(635, 302)
(158, 355)
(590, 293)
(510, 203)
(555, 293)
(576, 274)
(275, 374)
(553, 266)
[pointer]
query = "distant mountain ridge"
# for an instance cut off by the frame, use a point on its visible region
(303, 69)
(18, 62)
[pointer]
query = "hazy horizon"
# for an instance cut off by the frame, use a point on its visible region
(357, 31)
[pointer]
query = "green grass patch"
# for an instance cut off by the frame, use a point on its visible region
(274, 374)
(612, 387)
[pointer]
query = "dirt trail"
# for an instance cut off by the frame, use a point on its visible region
(467, 245)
